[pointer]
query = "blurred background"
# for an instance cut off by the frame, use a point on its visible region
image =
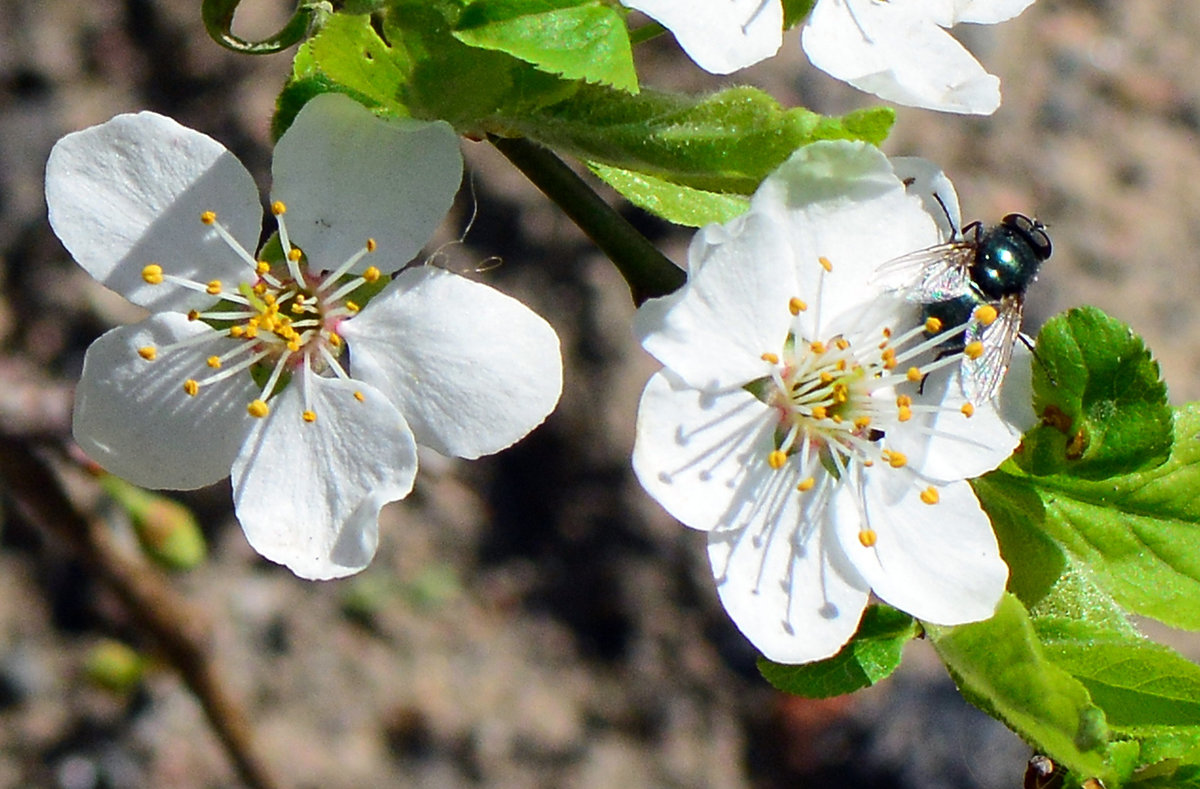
(533, 619)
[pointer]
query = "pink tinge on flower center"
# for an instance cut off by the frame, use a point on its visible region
(285, 318)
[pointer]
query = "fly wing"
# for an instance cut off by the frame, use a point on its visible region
(938, 273)
(982, 376)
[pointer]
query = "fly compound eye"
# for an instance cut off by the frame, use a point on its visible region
(1033, 231)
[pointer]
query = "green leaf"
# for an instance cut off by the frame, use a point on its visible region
(999, 666)
(726, 142)
(577, 39)
(349, 52)
(679, 204)
(1137, 535)
(1105, 403)
(1143, 687)
(795, 12)
(873, 654)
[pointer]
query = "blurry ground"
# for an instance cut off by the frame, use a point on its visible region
(533, 620)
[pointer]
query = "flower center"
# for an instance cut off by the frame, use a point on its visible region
(837, 398)
(284, 316)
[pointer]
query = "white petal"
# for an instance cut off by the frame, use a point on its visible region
(130, 192)
(896, 51)
(842, 202)
(733, 308)
(720, 36)
(986, 12)
(702, 454)
(471, 369)
(949, 445)
(938, 562)
(134, 419)
(308, 494)
(347, 175)
(796, 602)
(926, 180)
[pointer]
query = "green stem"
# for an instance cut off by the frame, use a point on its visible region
(648, 272)
(645, 33)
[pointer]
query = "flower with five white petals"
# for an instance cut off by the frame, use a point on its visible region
(804, 419)
(306, 374)
(897, 49)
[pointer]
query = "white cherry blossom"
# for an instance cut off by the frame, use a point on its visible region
(897, 49)
(804, 421)
(305, 373)
(900, 50)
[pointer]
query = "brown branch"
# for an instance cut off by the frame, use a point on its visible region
(180, 630)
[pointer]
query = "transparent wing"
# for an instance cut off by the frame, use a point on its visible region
(937, 273)
(982, 377)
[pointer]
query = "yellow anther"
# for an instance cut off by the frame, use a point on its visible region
(258, 409)
(796, 306)
(819, 412)
(818, 348)
(887, 332)
(933, 325)
(148, 352)
(278, 208)
(353, 306)
(297, 306)
(888, 357)
(914, 375)
(777, 459)
(372, 274)
(191, 386)
(237, 331)
(358, 395)
(293, 345)
(193, 315)
(153, 274)
(841, 364)
(309, 416)
(262, 267)
(214, 288)
(260, 289)
(863, 422)
(294, 254)
(986, 314)
(973, 350)
(903, 400)
(930, 495)
(837, 419)
(841, 392)
(770, 358)
(208, 217)
(826, 377)
(904, 413)
(213, 362)
(335, 339)
(825, 264)
(968, 410)
(806, 484)
(842, 344)
(251, 332)
(895, 459)
(868, 538)
(371, 245)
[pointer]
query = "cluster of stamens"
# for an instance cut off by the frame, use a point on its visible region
(285, 317)
(834, 396)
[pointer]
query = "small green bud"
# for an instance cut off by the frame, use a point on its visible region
(114, 666)
(167, 530)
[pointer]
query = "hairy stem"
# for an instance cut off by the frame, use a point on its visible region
(648, 272)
